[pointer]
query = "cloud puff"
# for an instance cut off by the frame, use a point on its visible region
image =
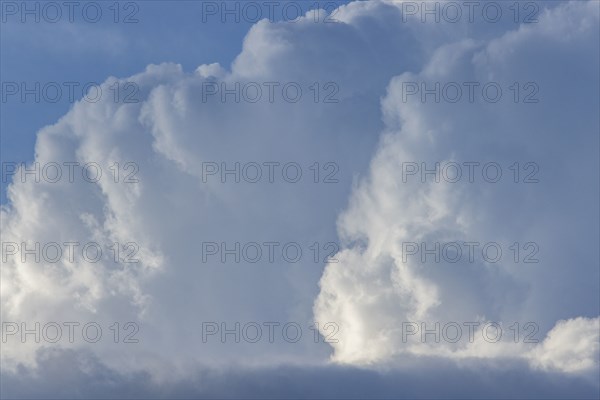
(170, 133)
(570, 346)
(379, 284)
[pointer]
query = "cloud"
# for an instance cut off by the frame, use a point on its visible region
(80, 375)
(170, 133)
(363, 62)
(379, 284)
(571, 346)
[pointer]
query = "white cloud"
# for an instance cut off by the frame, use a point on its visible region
(571, 346)
(373, 290)
(370, 292)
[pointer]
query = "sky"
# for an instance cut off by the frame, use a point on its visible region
(368, 199)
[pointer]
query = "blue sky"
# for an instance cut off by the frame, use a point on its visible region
(165, 31)
(408, 208)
